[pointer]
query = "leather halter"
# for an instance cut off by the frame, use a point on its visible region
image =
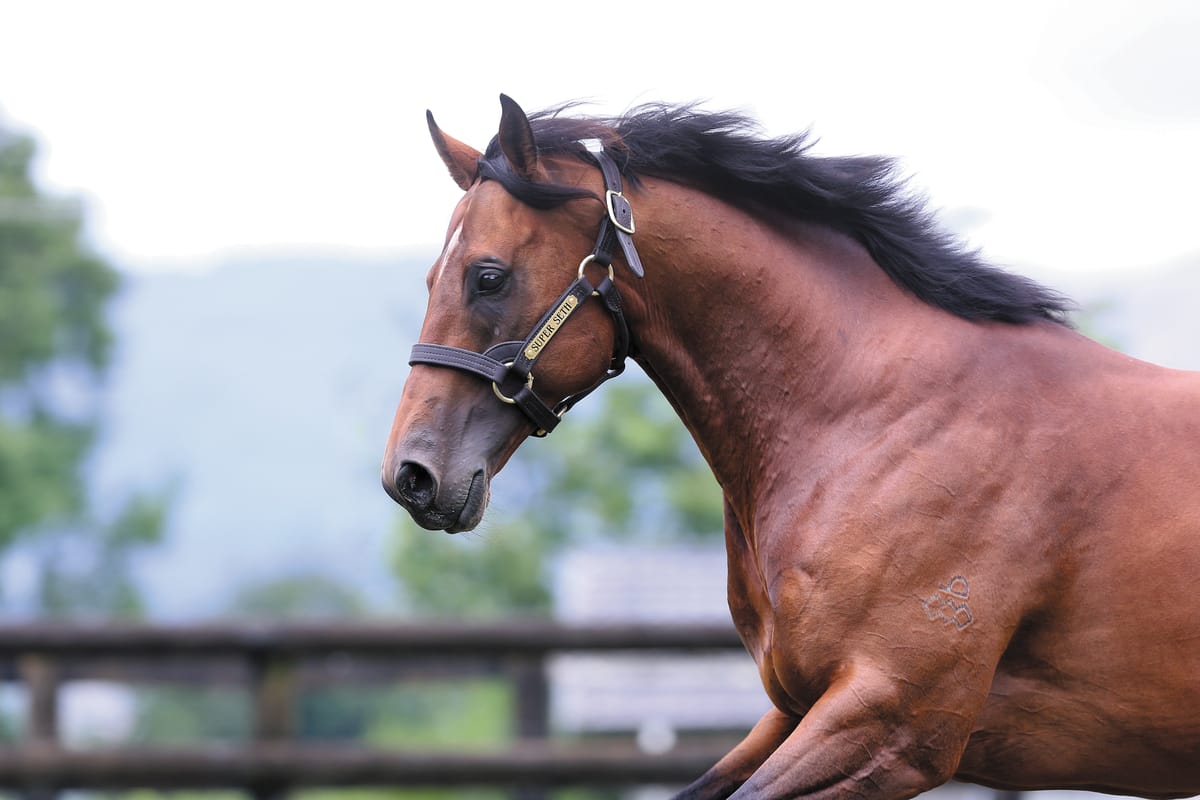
(509, 365)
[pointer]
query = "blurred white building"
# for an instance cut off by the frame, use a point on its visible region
(656, 695)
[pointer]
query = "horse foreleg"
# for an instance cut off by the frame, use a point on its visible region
(859, 741)
(740, 763)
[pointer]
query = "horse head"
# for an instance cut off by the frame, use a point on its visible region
(497, 361)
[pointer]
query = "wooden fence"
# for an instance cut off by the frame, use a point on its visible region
(277, 663)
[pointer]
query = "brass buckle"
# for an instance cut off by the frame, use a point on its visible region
(505, 398)
(609, 197)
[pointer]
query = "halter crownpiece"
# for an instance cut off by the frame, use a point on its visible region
(620, 213)
(509, 365)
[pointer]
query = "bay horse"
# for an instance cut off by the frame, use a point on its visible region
(963, 539)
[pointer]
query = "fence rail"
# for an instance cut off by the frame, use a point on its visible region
(277, 663)
(524, 766)
(399, 640)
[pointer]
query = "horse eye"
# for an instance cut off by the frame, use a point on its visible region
(490, 280)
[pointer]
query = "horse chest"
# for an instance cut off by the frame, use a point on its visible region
(793, 678)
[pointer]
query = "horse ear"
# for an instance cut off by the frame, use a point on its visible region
(516, 139)
(462, 160)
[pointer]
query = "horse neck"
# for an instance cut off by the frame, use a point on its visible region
(763, 336)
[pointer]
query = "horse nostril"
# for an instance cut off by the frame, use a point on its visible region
(415, 485)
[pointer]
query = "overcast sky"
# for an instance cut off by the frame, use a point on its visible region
(1058, 135)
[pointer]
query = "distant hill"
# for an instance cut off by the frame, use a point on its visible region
(265, 389)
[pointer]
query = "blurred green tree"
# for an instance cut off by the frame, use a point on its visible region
(622, 467)
(54, 348)
(297, 596)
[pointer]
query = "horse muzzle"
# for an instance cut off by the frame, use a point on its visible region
(433, 502)
(449, 437)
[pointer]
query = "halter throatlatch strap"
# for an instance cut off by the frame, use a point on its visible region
(509, 365)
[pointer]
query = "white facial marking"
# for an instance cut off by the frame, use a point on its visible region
(451, 245)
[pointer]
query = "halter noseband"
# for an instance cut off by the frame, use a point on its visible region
(509, 365)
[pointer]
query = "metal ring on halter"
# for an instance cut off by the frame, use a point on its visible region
(504, 398)
(589, 259)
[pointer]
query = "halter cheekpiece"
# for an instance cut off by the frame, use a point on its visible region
(509, 365)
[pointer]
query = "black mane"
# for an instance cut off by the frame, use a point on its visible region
(723, 153)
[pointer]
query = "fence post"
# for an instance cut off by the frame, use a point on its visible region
(272, 679)
(274, 717)
(39, 673)
(531, 707)
(532, 698)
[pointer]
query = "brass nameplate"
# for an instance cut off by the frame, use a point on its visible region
(551, 327)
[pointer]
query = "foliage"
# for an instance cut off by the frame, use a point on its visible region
(492, 574)
(447, 715)
(623, 468)
(297, 596)
(54, 347)
(52, 299)
(86, 568)
(178, 715)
